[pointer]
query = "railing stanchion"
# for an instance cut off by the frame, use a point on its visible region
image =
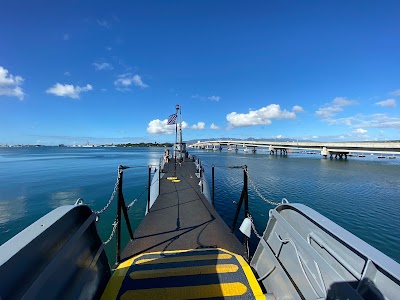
(125, 211)
(118, 231)
(148, 190)
(201, 178)
(159, 178)
(246, 208)
(213, 186)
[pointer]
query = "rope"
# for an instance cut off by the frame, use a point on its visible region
(223, 166)
(136, 199)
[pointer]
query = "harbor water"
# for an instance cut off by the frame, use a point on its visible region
(360, 194)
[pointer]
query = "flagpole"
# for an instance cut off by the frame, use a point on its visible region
(176, 138)
(180, 135)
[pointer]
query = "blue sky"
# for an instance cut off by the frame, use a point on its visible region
(74, 72)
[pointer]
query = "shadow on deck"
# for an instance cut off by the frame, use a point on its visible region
(181, 218)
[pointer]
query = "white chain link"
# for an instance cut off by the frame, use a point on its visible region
(115, 224)
(111, 198)
(254, 227)
(257, 191)
(131, 204)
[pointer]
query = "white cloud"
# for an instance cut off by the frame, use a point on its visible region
(10, 85)
(326, 112)
(102, 66)
(343, 101)
(138, 81)
(67, 73)
(204, 98)
(68, 90)
(66, 37)
(214, 98)
(387, 103)
(334, 107)
(104, 23)
(395, 93)
(368, 121)
(214, 127)
(297, 109)
(360, 131)
(199, 126)
(124, 82)
(261, 116)
(108, 48)
(160, 127)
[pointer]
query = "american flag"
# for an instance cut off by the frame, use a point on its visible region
(172, 119)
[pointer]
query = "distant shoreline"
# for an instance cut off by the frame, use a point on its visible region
(94, 145)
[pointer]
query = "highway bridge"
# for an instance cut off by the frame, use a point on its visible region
(339, 149)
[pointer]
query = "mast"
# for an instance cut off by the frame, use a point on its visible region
(180, 134)
(176, 138)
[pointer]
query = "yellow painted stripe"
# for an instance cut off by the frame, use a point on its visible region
(172, 178)
(164, 260)
(185, 271)
(115, 282)
(254, 285)
(189, 292)
(176, 180)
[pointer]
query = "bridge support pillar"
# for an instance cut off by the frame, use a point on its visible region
(271, 150)
(325, 152)
(340, 155)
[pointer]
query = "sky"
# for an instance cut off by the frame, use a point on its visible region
(77, 72)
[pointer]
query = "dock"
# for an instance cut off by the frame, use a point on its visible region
(181, 218)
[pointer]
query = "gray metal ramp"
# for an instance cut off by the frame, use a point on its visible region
(181, 218)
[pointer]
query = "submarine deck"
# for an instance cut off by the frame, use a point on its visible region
(181, 218)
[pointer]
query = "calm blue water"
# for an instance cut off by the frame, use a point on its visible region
(360, 194)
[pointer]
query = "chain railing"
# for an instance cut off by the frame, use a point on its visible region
(253, 226)
(122, 208)
(111, 198)
(258, 191)
(115, 224)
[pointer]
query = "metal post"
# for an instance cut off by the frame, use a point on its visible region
(159, 178)
(213, 186)
(201, 176)
(148, 191)
(237, 212)
(246, 208)
(246, 192)
(176, 138)
(125, 211)
(118, 231)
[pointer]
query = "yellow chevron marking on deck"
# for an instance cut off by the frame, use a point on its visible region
(172, 178)
(115, 283)
(189, 292)
(254, 285)
(185, 271)
(165, 260)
